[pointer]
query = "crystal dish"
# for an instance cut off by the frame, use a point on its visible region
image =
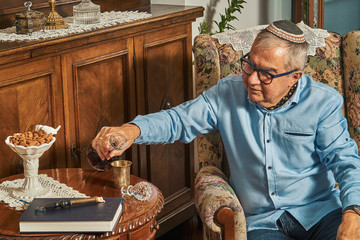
(86, 13)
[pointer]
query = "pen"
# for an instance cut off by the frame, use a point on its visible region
(68, 203)
(24, 201)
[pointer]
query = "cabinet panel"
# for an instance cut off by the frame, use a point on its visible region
(165, 88)
(165, 58)
(99, 86)
(30, 94)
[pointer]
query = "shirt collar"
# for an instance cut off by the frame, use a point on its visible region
(296, 96)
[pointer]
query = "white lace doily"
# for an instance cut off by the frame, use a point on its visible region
(107, 19)
(58, 190)
(243, 39)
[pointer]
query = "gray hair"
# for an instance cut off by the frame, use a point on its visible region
(296, 53)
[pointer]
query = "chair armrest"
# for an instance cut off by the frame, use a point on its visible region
(212, 192)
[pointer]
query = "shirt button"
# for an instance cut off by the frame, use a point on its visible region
(268, 141)
(269, 168)
(272, 194)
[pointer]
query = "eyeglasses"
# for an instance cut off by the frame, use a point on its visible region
(264, 76)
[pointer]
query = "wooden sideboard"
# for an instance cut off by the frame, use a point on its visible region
(105, 77)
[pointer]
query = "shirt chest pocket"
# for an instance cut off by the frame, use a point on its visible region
(299, 135)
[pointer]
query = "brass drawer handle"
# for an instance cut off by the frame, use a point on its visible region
(154, 227)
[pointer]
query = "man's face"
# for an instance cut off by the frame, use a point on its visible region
(272, 61)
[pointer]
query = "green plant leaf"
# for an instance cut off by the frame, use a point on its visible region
(234, 6)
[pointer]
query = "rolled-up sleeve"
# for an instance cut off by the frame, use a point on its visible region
(339, 151)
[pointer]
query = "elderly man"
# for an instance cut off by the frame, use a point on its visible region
(285, 138)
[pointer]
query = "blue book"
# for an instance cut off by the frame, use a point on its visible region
(91, 217)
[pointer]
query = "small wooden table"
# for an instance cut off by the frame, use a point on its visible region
(137, 221)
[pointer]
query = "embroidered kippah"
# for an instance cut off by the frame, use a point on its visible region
(287, 30)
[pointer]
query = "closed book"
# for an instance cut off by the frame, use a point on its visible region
(91, 217)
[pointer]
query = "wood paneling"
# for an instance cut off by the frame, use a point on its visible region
(98, 80)
(30, 95)
(166, 84)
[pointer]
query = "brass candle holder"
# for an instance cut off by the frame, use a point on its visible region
(54, 20)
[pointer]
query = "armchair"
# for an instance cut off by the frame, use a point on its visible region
(337, 64)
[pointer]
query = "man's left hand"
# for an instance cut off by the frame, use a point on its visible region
(349, 228)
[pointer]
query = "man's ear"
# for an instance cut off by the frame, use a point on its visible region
(295, 76)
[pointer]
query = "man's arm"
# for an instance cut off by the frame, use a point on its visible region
(183, 122)
(339, 152)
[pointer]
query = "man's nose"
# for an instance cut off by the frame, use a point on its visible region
(253, 78)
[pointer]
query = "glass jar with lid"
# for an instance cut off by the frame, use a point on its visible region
(86, 13)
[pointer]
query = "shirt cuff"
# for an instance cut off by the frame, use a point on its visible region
(142, 126)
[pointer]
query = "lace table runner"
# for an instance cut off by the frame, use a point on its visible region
(58, 190)
(243, 39)
(107, 19)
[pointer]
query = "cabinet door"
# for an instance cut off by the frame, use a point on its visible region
(99, 92)
(30, 94)
(164, 58)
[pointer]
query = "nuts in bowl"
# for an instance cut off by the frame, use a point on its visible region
(31, 142)
(35, 138)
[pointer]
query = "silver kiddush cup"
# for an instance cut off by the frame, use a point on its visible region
(121, 170)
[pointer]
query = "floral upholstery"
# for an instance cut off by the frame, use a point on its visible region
(212, 192)
(351, 59)
(211, 188)
(326, 65)
(337, 65)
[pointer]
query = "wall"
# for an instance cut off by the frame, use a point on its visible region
(339, 16)
(342, 16)
(255, 12)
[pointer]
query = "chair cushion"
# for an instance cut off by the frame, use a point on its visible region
(326, 65)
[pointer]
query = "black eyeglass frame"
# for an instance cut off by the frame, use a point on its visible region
(242, 59)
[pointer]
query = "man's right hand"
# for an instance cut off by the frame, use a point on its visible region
(101, 141)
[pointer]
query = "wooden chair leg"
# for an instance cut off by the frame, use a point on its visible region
(225, 217)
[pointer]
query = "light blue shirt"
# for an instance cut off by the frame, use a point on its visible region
(279, 160)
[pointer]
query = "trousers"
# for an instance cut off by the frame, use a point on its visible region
(291, 229)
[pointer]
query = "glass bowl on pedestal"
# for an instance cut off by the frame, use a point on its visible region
(31, 187)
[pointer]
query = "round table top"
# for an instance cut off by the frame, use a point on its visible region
(92, 183)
